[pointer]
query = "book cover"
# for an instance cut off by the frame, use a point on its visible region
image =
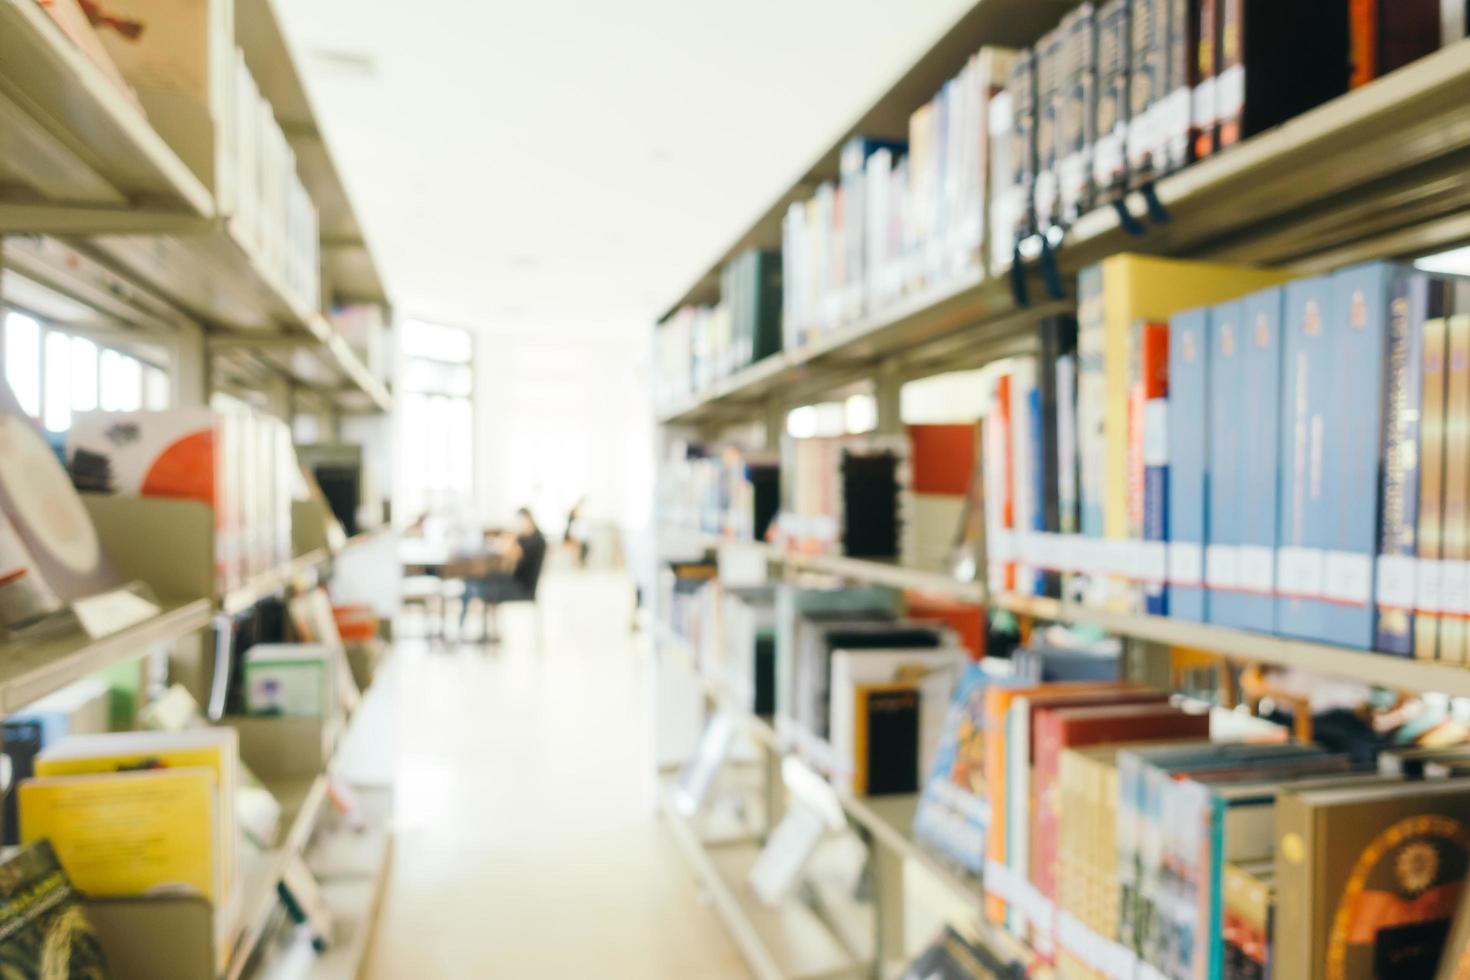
(1246, 928)
(1204, 113)
(1148, 65)
(1049, 53)
(1057, 336)
(1368, 879)
(1435, 333)
(1356, 341)
(1189, 442)
(930, 674)
(1388, 34)
(951, 957)
(1176, 129)
(1416, 298)
(953, 814)
(1226, 467)
(163, 820)
(1306, 485)
(1455, 521)
(1260, 448)
(44, 932)
(886, 739)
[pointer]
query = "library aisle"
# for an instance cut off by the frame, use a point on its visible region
(525, 843)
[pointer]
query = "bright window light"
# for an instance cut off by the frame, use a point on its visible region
(156, 390)
(57, 386)
(801, 423)
(831, 418)
(122, 382)
(83, 375)
(438, 343)
(862, 413)
(1455, 262)
(23, 361)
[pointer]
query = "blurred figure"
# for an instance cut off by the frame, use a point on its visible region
(575, 540)
(523, 552)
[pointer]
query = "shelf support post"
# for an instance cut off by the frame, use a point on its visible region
(886, 866)
(887, 394)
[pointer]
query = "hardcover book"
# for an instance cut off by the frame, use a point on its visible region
(1151, 472)
(1455, 521)
(1147, 82)
(1114, 50)
(1368, 880)
(1049, 53)
(1078, 127)
(1431, 489)
(953, 815)
(44, 932)
(1177, 134)
(1204, 114)
(1260, 422)
(1189, 446)
(1388, 34)
(1057, 340)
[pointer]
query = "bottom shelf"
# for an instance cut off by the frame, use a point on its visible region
(787, 942)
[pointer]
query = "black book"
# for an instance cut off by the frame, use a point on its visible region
(1057, 339)
(952, 957)
(22, 744)
(891, 747)
(765, 480)
(870, 518)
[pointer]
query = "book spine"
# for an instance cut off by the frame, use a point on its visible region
(1091, 408)
(1176, 116)
(1363, 16)
(1261, 437)
(1040, 578)
(1156, 462)
(1354, 421)
(1227, 484)
(1403, 392)
(1301, 525)
(1431, 489)
(1455, 534)
(1454, 16)
(1203, 114)
(1046, 199)
(1145, 85)
(1230, 82)
(1022, 89)
(1000, 500)
(1133, 486)
(1066, 389)
(1078, 113)
(1023, 452)
(1114, 45)
(1295, 860)
(1188, 441)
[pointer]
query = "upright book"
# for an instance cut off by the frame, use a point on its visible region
(1260, 422)
(44, 932)
(1189, 442)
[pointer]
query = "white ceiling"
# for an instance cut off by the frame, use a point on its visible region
(568, 168)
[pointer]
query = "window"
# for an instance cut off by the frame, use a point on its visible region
(436, 421)
(55, 374)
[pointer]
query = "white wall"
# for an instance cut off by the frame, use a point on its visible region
(557, 421)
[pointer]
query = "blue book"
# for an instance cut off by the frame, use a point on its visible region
(1305, 490)
(1416, 298)
(1228, 501)
(1261, 450)
(1039, 576)
(1188, 441)
(1357, 330)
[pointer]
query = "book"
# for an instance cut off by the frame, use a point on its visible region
(290, 680)
(1068, 517)
(1432, 452)
(1260, 448)
(1388, 34)
(44, 931)
(1303, 531)
(79, 709)
(1176, 125)
(1077, 130)
(1114, 55)
(1147, 81)
(952, 957)
(1025, 453)
(1049, 53)
(1091, 417)
(953, 814)
(1246, 928)
(1455, 520)
(1189, 446)
(1368, 879)
(1204, 112)
(1057, 336)
(1001, 528)
(1020, 182)
(1151, 469)
(130, 833)
(886, 739)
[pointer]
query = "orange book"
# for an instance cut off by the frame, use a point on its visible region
(943, 458)
(966, 619)
(1000, 488)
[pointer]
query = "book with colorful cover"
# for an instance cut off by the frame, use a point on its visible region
(1432, 452)
(1189, 441)
(952, 957)
(953, 815)
(44, 932)
(1153, 463)
(1369, 879)
(1000, 491)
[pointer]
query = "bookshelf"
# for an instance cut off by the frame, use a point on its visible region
(78, 153)
(1293, 195)
(30, 669)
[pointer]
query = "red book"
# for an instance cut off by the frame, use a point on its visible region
(1001, 489)
(965, 618)
(1388, 34)
(943, 458)
(1076, 726)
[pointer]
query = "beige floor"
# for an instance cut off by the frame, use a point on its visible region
(526, 846)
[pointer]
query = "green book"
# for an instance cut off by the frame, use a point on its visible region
(44, 933)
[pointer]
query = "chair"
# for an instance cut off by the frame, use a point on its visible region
(495, 592)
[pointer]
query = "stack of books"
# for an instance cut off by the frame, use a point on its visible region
(849, 495)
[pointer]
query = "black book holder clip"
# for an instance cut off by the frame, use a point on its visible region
(1129, 223)
(1157, 213)
(1019, 292)
(1051, 277)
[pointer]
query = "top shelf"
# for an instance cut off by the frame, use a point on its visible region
(1376, 173)
(71, 141)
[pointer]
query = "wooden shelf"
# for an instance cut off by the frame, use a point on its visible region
(30, 668)
(77, 152)
(1376, 173)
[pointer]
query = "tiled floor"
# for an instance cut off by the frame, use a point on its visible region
(526, 844)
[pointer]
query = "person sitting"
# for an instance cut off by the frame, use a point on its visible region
(523, 551)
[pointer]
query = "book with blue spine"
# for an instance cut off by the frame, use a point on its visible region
(1356, 332)
(1302, 513)
(1226, 467)
(1025, 447)
(1416, 300)
(1261, 428)
(1188, 441)
(1154, 408)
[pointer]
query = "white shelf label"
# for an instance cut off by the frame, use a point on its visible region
(1428, 585)
(1348, 578)
(1222, 566)
(1186, 563)
(1258, 569)
(1395, 586)
(1454, 581)
(1299, 572)
(1154, 562)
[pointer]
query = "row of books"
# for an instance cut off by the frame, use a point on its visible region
(847, 495)
(699, 345)
(1125, 91)
(1118, 839)
(718, 490)
(1284, 460)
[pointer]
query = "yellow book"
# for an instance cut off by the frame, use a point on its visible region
(1143, 288)
(128, 833)
(214, 749)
